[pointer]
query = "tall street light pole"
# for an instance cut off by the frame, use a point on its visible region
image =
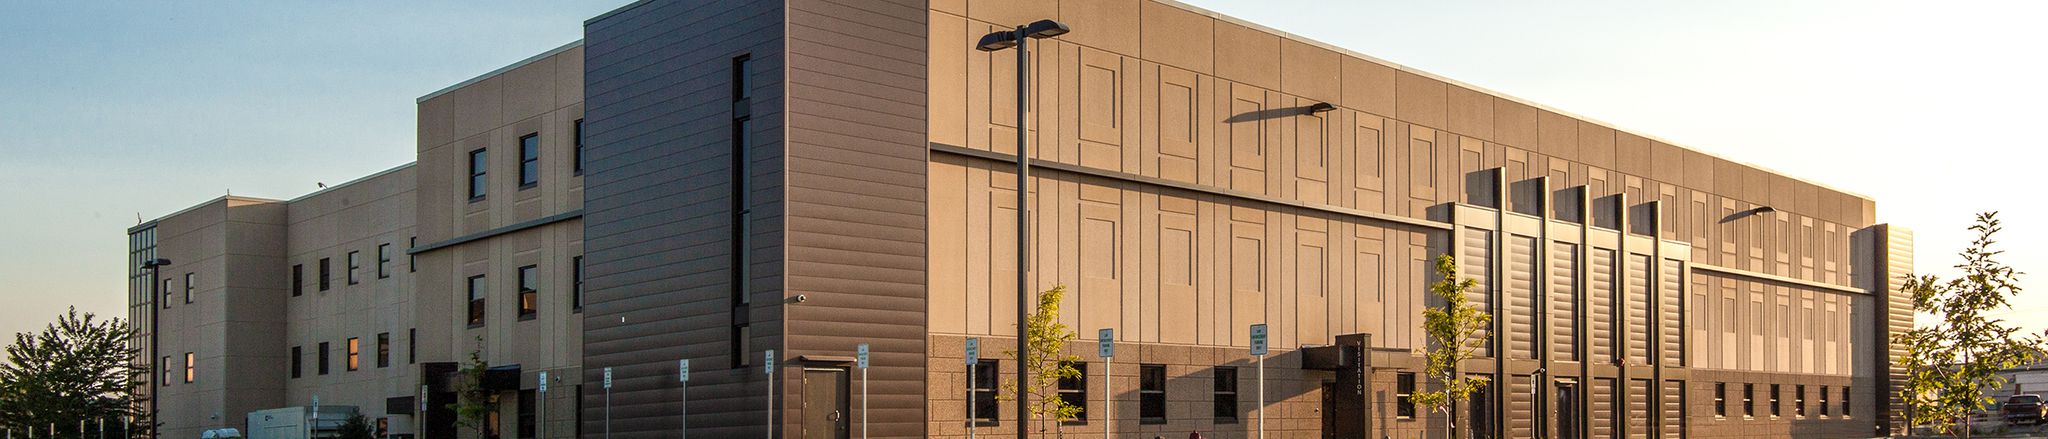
(1020, 39)
(156, 296)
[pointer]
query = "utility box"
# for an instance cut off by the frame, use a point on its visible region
(292, 422)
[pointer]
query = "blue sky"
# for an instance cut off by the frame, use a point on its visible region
(110, 110)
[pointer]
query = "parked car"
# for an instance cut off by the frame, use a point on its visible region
(2024, 409)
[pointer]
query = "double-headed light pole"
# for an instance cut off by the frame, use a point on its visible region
(1020, 39)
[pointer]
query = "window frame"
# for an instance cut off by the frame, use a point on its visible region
(323, 365)
(529, 292)
(479, 174)
(479, 301)
(384, 261)
(353, 354)
(577, 166)
(1073, 389)
(1777, 408)
(576, 284)
(1152, 394)
(1748, 400)
(1799, 401)
(524, 424)
(165, 366)
(188, 287)
(1219, 394)
(298, 361)
(1404, 396)
(383, 350)
(1826, 402)
(1721, 400)
(529, 161)
(355, 266)
(298, 280)
(191, 367)
(987, 393)
(326, 273)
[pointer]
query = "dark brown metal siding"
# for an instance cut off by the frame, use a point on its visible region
(1638, 309)
(1673, 410)
(857, 162)
(1478, 265)
(1601, 286)
(1564, 301)
(1521, 407)
(1521, 297)
(1638, 408)
(1603, 408)
(1671, 332)
(657, 214)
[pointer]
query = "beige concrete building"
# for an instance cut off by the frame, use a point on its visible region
(807, 176)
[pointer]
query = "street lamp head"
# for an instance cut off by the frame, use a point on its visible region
(1320, 107)
(995, 41)
(1045, 29)
(154, 263)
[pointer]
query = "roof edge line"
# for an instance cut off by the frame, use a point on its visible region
(500, 71)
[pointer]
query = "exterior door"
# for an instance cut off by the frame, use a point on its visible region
(1330, 410)
(1568, 418)
(825, 404)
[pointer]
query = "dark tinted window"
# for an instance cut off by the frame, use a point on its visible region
(529, 295)
(1074, 390)
(1152, 393)
(476, 300)
(529, 160)
(1225, 397)
(986, 376)
(479, 165)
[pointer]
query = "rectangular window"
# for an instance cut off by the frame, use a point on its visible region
(165, 368)
(1151, 394)
(190, 368)
(1776, 410)
(383, 260)
(526, 408)
(1074, 391)
(167, 293)
(324, 274)
(412, 261)
(383, 349)
(476, 300)
(579, 147)
(529, 160)
(1404, 395)
(354, 265)
(529, 297)
(298, 280)
(1799, 400)
(479, 167)
(298, 360)
(1824, 399)
(323, 358)
(1480, 402)
(986, 375)
(1720, 400)
(576, 283)
(1847, 408)
(412, 345)
(739, 184)
(1748, 400)
(188, 288)
(742, 342)
(353, 360)
(1225, 397)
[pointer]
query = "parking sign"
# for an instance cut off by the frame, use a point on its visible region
(683, 370)
(607, 378)
(1259, 339)
(1105, 344)
(973, 350)
(861, 355)
(768, 366)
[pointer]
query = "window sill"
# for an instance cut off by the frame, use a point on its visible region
(477, 198)
(526, 317)
(476, 325)
(529, 186)
(1151, 422)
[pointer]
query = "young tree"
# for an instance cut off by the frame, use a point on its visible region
(473, 403)
(1456, 332)
(1047, 362)
(357, 427)
(76, 368)
(1955, 359)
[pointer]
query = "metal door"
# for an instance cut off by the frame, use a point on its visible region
(825, 414)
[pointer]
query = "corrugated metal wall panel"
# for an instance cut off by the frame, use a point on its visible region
(1521, 297)
(1670, 318)
(1478, 265)
(1673, 410)
(1601, 286)
(1564, 301)
(1638, 306)
(1638, 408)
(1522, 407)
(1604, 408)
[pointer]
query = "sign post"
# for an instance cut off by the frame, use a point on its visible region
(1259, 351)
(607, 403)
(683, 376)
(309, 422)
(540, 408)
(973, 356)
(861, 357)
(1105, 345)
(768, 367)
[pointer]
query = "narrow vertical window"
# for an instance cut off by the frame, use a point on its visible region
(1776, 410)
(1224, 399)
(190, 367)
(737, 265)
(529, 160)
(412, 345)
(1074, 390)
(165, 367)
(742, 346)
(983, 390)
(579, 147)
(323, 358)
(383, 260)
(479, 165)
(1847, 408)
(298, 280)
(1799, 400)
(298, 360)
(576, 283)
(412, 261)
(354, 265)
(529, 295)
(325, 274)
(1404, 395)
(1748, 400)
(167, 293)
(188, 288)
(1152, 394)
(1825, 407)
(1720, 400)
(354, 354)
(383, 350)
(476, 300)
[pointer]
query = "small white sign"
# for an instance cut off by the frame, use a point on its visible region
(768, 366)
(423, 400)
(1259, 339)
(607, 378)
(543, 387)
(973, 350)
(861, 355)
(1105, 343)
(683, 370)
